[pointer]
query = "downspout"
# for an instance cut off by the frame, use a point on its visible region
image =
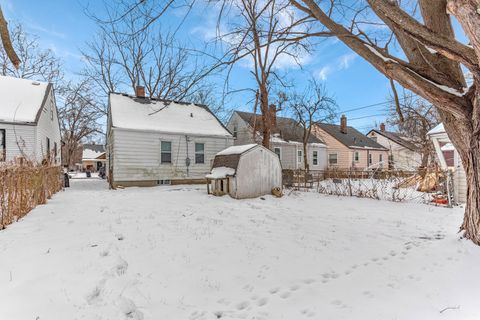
(187, 159)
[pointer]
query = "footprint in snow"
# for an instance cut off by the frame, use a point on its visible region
(285, 295)
(307, 313)
(274, 290)
(119, 236)
(295, 287)
(309, 281)
(95, 295)
(243, 305)
(129, 309)
(262, 301)
(121, 267)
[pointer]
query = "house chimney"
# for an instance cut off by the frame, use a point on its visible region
(382, 127)
(343, 124)
(273, 114)
(140, 91)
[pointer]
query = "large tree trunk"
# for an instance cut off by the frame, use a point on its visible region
(266, 117)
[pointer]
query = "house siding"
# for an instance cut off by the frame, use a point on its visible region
(19, 141)
(136, 155)
(345, 155)
(403, 158)
(288, 157)
(48, 127)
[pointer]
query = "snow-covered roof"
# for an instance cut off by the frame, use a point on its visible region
(220, 173)
(129, 112)
(21, 99)
(448, 147)
(236, 149)
(92, 151)
(438, 129)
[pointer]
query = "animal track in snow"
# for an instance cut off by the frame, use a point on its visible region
(295, 287)
(129, 309)
(274, 290)
(262, 301)
(309, 281)
(95, 295)
(307, 312)
(285, 295)
(121, 267)
(243, 305)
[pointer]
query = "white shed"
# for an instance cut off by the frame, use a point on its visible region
(450, 160)
(245, 171)
(29, 126)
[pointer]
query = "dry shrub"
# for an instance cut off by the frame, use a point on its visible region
(23, 186)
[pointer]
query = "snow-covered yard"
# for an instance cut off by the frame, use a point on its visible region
(177, 253)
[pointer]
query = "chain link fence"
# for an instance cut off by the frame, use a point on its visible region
(423, 186)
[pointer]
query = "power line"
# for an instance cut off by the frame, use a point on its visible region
(368, 106)
(369, 116)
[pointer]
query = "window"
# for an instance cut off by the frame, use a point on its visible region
(380, 160)
(3, 148)
(199, 153)
(51, 112)
(299, 156)
(315, 158)
(235, 129)
(48, 148)
(357, 156)
(374, 138)
(332, 158)
(55, 151)
(369, 159)
(166, 152)
(278, 151)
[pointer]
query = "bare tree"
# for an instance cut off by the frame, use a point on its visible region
(131, 51)
(37, 63)
(262, 33)
(428, 63)
(418, 118)
(7, 42)
(79, 113)
(311, 106)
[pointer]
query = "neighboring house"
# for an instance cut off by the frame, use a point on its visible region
(402, 153)
(449, 159)
(153, 141)
(245, 171)
(29, 126)
(348, 148)
(286, 140)
(93, 157)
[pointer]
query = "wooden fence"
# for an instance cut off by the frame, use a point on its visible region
(23, 187)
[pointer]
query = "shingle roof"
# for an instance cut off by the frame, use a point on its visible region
(397, 138)
(129, 112)
(352, 139)
(287, 128)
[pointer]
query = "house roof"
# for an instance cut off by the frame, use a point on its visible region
(438, 129)
(352, 139)
(150, 114)
(92, 151)
(230, 157)
(397, 138)
(22, 99)
(286, 129)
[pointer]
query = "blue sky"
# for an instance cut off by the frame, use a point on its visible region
(64, 27)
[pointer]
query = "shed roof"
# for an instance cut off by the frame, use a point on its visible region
(352, 139)
(287, 129)
(150, 114)
(22, 99)
(397, 138)
(230, 157)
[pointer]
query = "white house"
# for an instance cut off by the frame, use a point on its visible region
(403, 154)
(245, 171)
(286, 140)
(449, 159)
(153, 141)
(29, 126)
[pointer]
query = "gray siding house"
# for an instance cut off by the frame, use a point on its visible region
(29, 126)
(152, 141)
(286, 140)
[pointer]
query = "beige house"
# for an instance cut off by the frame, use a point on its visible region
(403, 154)
(93, 157)
(348, 148)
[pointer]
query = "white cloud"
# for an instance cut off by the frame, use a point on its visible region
(324, 72)
(342, 63)
(346, 60)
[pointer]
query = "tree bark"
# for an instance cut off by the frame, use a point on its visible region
(7, 43)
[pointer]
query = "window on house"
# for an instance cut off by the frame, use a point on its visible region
(3, 148)
(299, 156)
(166, 152)
(380, 160)
(55, 151)
(315, 158)
(51, 112)
(374, 138)
(199, 153)
(357, 156)
(235, 130)
(369, 159)
(278, 151)
(48, 148)
(332, 158)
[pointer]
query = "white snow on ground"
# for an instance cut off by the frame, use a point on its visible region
(176, 253)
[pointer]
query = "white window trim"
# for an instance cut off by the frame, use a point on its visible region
(171, 152)
(299, 156)
(336, 154)
(195, 152)
(313, 158)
